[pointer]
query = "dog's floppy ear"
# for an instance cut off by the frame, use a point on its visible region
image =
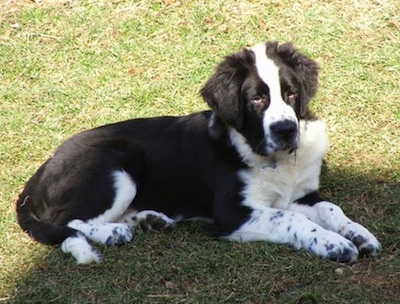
(305, 70)
(222, 91)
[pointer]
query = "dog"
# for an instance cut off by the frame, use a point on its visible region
(249, 167)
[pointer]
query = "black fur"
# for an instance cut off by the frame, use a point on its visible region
(310, 199)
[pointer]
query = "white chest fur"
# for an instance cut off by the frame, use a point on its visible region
(279, 179)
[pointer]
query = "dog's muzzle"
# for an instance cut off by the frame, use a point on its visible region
(285, 135)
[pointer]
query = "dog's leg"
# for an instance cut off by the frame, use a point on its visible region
(80, 249)
(332, 217)
(104, 229)
(106, 233)
(147, 219)
(282, 226)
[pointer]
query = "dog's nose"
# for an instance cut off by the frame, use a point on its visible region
(285, 130)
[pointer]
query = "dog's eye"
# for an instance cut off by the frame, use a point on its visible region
(259, 101)
(291, 98)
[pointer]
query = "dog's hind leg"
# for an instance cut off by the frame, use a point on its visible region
(104, 229)
(104, 233)
(80, 249)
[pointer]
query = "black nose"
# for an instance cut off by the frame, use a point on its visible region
(285, 130)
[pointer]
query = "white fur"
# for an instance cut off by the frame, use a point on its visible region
(277, 110)
(125, 189)
(268, 71)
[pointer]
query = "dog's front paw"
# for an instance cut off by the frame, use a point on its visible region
(334, 247)
(365, 241)
(118, 234)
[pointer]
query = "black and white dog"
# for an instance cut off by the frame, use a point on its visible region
(250, 167)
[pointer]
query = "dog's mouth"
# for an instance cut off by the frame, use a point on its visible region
(270, 146)
(272, 149)
(290, 147)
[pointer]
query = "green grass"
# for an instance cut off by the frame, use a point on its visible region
(66, 66)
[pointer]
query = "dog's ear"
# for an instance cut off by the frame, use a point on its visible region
(305, 70)
(222, 91)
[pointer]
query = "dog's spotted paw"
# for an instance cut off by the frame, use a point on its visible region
(364, 240)
(342, 253)
(119, 234)
(334, 247)
(104, 233)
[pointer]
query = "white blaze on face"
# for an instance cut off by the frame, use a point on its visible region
(277, 110)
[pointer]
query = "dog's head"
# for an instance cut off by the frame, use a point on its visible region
(262, 92)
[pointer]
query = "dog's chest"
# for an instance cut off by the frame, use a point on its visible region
(279, 180)
(272, 183)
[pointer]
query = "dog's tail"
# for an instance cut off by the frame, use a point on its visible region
(41, 231)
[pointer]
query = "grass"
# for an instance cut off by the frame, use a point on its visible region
(69, 65)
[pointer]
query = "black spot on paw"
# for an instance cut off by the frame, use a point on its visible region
(110, 241)
(151, 219)
(159, 224)
(367, 251)
(315, 241)
(344, 255)
(145, 226)
(358, 240)
(121, 240)
(329, 247)
(349, 235)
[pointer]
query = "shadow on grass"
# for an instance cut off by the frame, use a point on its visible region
(183, 265)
